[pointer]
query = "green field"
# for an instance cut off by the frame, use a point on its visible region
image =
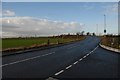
(27, 42)
(111, 41)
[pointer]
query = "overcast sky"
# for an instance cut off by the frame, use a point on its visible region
(43, 19)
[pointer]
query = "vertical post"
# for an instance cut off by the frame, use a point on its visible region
(104, 24)
(96, 29)
(105, 39)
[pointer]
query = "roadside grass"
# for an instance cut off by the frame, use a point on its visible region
(27, 42)
(111, 41)
(0, 44)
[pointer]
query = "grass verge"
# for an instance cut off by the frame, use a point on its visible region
(111, 41)
(17, 44)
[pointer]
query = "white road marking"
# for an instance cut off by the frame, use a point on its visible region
(75, 62)
(69, 67)
(59, 72)
(26, 59)
(93, 50)
(80, 59)
(90, 52)
(50, 78)
(72, 47)
(84, 56)
(87, 55)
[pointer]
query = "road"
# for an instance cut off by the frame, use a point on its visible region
(83, 59)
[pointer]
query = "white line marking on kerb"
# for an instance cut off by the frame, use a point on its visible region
(69, 67)
(26, 59)
(59, 72)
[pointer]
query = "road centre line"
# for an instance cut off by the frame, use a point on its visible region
(84, 56)
(87, 54)
(26, 59)
(80, 59)
(73, 47)
(77, 61)
(59, 72)
(69, 67)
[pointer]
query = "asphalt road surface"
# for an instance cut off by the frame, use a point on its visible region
(84, 59)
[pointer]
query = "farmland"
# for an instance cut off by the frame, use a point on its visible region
(20, 43)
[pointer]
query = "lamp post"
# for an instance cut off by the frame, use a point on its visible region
(104, 24)
(97, 29)
(105, 29)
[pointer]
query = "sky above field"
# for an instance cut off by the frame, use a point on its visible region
(55, 18)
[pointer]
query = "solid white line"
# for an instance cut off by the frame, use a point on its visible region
(69, 67)
(75, 62)
(59, 72)
(26, 59)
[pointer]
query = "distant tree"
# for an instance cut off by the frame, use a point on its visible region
(78, 33)
(68, 34)
(88, 33)
(93, 34)
(82, 33)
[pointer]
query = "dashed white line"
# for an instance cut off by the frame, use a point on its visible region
(26, 59)
(87, 55)
(69, 67)
(84, 56)
(59, 72)
(80, 59)
(72, 47)
(50, 78)
(90, 52)
(75, 62)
